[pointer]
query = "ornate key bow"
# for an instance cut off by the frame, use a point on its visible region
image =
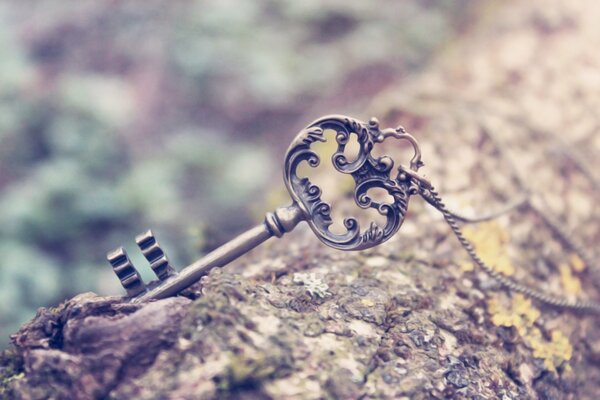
(367, 171)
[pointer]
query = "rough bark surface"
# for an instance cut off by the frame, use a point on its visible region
(512, 107)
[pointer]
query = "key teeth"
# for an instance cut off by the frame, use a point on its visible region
(159, 262)
(126, 272)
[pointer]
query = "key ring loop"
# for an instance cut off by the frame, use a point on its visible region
(401, 134)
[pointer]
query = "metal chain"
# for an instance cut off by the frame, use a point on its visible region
(484, 217)
(571, 154)
(433, 198)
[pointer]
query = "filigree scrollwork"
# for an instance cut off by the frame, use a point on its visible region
(369, 172)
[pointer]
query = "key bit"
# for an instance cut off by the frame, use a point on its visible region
(126, 272)
(155, 255)
(368, 172)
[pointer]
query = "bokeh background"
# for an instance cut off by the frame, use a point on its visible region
(118, 116)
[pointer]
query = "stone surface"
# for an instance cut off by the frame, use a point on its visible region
(408, 319)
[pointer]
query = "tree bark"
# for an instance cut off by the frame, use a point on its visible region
(512, 107)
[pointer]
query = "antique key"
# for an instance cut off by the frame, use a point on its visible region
(369, 172)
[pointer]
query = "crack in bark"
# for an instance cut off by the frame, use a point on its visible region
(373, 363)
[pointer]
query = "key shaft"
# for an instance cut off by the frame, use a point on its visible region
(276, 224)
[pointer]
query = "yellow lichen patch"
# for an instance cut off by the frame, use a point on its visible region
(570, 282)
(577, 263)
(521, 315)
(466, 266)
(523, 307)
(554, 353)
(490, 240)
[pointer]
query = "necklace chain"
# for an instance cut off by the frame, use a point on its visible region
(433, 197)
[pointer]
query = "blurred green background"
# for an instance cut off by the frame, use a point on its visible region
(118, 116)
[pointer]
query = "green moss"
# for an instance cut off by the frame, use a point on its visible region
(11, 369)
(249, 373)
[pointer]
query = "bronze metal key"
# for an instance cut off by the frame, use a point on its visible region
(368, 172)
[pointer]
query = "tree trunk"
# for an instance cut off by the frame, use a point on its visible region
(512, 107)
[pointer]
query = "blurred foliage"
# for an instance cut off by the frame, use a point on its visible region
(118, 116)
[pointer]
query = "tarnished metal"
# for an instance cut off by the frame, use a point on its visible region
(155, 255)
(126, 272)
(369, 172)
